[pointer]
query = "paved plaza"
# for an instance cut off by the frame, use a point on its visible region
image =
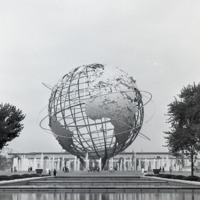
(97, 182)
(103, 173)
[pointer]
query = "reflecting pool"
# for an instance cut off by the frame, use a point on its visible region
(189, 195)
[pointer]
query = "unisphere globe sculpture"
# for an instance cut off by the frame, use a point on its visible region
(95, 110)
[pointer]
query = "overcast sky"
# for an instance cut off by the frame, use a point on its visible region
(155, 41)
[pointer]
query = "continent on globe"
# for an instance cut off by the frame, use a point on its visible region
(118, 108)
(64, 136)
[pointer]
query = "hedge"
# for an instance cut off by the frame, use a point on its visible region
(180, 177)
(17, 176)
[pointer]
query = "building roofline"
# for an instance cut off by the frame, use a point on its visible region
(64, 153)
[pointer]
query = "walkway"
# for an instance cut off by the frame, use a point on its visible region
(99, 181)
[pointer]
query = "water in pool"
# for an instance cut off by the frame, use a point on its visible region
(190, 195)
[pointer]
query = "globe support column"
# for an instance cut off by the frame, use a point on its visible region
(111, 163)
(78, 164)
(86, 163)
(100, 161)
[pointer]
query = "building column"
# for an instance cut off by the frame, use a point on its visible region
(58, 164)
(139, 164)
(135, 162)
(78, 164)
(53, 162)
(62, 163)
(68, 165)
(146, 163)
(75, 160)
(118, 167)
(154, 164)
(15, 163)
(100, 160)
(41, 161)
(125, 169)
(86, 164)
(19, 165)
(130, 164)
(172, 164)
(111, 163)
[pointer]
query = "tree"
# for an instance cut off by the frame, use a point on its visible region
(10, 126)
(5, 163)
(184, 116)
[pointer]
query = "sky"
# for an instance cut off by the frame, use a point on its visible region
(157, 42)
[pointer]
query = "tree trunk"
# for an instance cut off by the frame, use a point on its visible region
(192, 164)
(183, 159)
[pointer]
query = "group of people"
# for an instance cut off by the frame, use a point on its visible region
(111, 169)
(94, 169)
(65, 169)
(13, 169)
(54, 172)
(30, 169)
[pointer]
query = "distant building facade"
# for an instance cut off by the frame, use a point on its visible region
(125, 161)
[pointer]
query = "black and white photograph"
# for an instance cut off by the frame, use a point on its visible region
(99, 100)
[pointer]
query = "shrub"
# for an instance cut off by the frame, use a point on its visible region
(159, 175)
(149, 174)
(2, 176)
(180, 177)
(165, 175)
(16, 176)
(29, 175)
(5, 178)
(191, 178)
(26, 176)
(156, 171)
(35, 175)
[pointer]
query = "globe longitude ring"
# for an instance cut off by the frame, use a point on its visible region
(95, 110)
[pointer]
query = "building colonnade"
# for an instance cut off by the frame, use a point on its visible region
(120, 163)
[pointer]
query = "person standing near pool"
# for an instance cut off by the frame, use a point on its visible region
(54, 172)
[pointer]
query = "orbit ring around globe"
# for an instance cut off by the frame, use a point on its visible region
(92, 111)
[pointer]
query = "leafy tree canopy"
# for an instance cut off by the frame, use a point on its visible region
(10, 126)
(184, 116)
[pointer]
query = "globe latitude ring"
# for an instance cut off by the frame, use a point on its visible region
(95, 110)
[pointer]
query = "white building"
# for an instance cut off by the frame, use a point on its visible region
(125, 161)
